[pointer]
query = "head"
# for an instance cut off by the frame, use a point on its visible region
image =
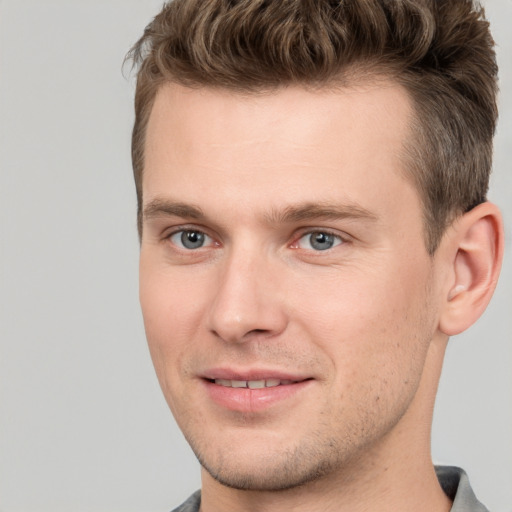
(440, 52)
(311, 179)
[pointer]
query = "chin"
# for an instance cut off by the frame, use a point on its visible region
(269, 471)
(270, 479)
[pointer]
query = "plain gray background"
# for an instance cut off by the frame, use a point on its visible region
(83, 426)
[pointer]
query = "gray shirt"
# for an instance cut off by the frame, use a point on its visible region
(454, 481)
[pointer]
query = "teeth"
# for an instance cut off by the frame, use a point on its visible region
(255, 384)
(252, 384)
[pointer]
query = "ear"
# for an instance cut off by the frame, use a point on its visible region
(475, 251)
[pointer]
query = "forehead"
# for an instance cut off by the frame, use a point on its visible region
(209, 113)
(292, 144)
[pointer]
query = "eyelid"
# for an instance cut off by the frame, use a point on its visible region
(172, 230)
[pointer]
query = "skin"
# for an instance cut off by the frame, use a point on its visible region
(359, 324)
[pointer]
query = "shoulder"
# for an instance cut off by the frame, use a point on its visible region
(191, 505)
(455, 484)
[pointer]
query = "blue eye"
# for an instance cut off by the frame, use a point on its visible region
(190, 239)
(319, 241)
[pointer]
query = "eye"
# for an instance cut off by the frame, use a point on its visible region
(190, 239)
(319, 241)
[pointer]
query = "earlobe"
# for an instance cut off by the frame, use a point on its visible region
(477, 250)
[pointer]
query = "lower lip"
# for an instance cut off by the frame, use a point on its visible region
(253, 400)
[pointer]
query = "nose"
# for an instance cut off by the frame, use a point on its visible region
(248, 303)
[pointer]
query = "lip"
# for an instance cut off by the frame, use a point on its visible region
(247, 400)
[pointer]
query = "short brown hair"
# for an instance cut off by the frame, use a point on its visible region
(441, 51)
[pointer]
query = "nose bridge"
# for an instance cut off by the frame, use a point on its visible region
(247, 301)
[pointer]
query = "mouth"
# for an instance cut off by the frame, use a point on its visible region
(254, 393)
(253, 384)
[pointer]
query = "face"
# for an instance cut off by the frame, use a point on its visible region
(286, 290)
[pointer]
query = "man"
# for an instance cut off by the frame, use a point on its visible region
(311, 179)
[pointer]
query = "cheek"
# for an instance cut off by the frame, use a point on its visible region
(172, 316)
(374, 325)
(171, 300)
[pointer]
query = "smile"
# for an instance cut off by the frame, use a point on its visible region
(253, 384)
(256, 394)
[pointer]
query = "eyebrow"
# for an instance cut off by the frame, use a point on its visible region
(294, 213)
(162, 207)
(321, 211)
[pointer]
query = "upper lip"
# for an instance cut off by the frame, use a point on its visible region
(251, 374)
